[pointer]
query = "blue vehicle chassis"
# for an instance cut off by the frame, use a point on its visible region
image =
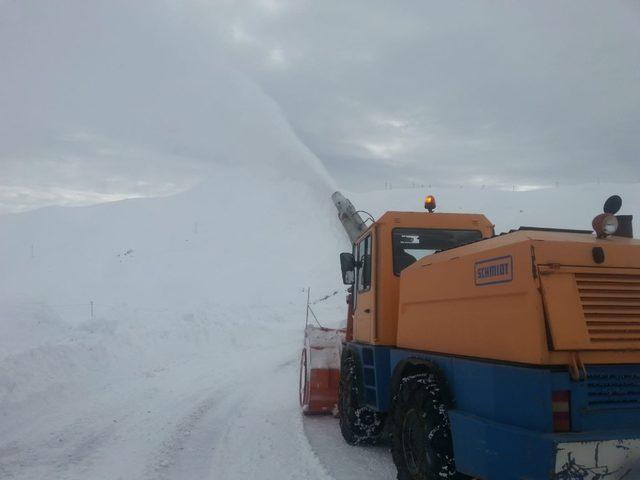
(501, 414)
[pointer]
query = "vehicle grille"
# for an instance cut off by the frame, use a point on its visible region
(611, 306)
(613, 390)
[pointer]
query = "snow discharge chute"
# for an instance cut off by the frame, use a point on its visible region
(349, 217)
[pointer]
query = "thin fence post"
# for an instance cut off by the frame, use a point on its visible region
(306, 320)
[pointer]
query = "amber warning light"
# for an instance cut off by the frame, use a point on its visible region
(430, 203)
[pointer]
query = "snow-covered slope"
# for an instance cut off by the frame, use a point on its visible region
(198, 305)
(187, 367)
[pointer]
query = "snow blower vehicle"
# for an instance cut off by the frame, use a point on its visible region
(497, 357)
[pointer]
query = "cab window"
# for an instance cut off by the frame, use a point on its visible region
(411, 244)
(364, 259)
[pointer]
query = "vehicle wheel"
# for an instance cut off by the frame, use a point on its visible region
(303, 385)
(360, 425)
(421, 446)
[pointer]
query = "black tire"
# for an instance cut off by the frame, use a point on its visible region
(421, 446)
(359, 425)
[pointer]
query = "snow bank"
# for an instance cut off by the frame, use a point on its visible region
(160, 306)
(234, 246)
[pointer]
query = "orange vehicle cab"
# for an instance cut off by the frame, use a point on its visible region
(505, 357)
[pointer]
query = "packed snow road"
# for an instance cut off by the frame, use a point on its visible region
(214, 414)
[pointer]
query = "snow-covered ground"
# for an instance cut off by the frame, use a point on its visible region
(187, 367)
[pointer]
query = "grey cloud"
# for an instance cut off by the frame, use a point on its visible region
(112, 95)
(529, 92)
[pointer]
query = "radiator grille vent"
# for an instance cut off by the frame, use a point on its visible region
(611, 306)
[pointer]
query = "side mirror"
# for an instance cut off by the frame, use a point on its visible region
(348, 266)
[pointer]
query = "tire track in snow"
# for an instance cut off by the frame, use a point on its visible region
(343, 461)
(264, 438)
(243, 429)
(180, 445)
(254, 429)
(249, 429)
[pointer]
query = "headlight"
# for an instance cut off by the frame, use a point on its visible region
(605, 224)
(610, 225)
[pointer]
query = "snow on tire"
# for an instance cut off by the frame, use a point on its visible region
(422, 447)
(359, 425)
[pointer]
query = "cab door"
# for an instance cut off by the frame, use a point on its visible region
(364, 307)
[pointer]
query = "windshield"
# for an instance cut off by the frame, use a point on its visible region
(411, 244)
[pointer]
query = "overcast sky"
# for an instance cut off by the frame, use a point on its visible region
(105, 99)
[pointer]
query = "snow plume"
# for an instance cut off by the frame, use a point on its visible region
(136, 331)
(136, 98)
